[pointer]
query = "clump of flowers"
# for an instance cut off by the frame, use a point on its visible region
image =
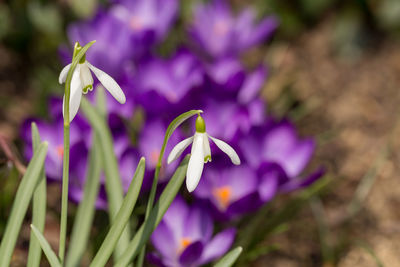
(205, 73)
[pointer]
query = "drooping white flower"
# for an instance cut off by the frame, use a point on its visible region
(200, 153)
(82, 82)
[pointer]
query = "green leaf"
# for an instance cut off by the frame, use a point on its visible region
(122, 217)
(170, 130)
(229, 258)
(39, 207)
(21, 203)
(149, 225)
(111, 170)
(51, 256)
(86, 210)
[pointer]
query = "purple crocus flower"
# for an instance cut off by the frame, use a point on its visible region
(217, 32)
(184, 237)
(53, 134)
(113, 42)
(231, 191)
(280, 156)
(148, 20)
(229, 120)
(228, 79)
(160, 83)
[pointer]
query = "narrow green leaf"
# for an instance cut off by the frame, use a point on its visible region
(86, 210)
(156, 214)
(122, 217)
(38, 207)
(21, 203)
(229, 258)
(111, 170)
(170, 130)
(51, 256)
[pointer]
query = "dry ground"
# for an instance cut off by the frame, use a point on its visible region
(354, 106)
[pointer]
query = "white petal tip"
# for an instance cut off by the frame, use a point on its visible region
(190, 187)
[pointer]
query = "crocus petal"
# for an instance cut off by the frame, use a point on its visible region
(218, 246)
(163, 240)
(109, 83)
(75, 96)
(227, 149)
(196, 162)
(191, 254)
(178, 149)
(63, 74)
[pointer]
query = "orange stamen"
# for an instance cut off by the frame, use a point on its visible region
(135, 23)
(220, 28)
(154, 157)
(60, 151)
(223, 195)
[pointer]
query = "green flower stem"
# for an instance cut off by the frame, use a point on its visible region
(170, 130)
(21, 203)
(86, 210)
(38, 207)
(65, 181)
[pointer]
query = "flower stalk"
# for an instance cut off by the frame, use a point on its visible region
(79, 53)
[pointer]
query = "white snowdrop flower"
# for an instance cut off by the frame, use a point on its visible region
(82, 82)
(200, 153)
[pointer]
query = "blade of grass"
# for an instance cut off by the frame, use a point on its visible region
(39, 207)
(122, 217)
(156, 214)
(366, 183)
(170, 130)
(86, 210)
(51, 256)
(318, 211)
(21, 203)
(230, 258)
(111, 170)
(371, 252)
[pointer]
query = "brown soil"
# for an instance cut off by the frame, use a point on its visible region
(353, 105)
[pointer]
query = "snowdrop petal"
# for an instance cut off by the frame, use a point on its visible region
(109, 83)
(178, 149)
(75, 96)
(63, 74)
(227, 149)
(207, 150)
(86, 78)
(196, 162)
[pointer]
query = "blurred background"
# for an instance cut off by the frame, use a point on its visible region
(334, 69)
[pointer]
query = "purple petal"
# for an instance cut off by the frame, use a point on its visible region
(175, 217)
(268, 186)
(218, 246)
(191, 255)
(164, 241)
(252, 85)
(198, 225)
(299, 157)
(298, 183)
